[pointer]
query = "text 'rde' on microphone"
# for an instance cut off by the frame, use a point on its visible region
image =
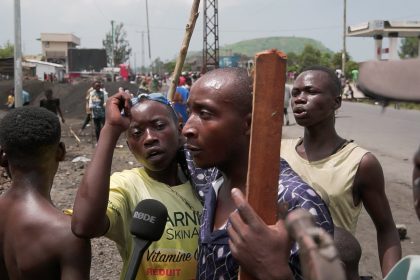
(147, 225)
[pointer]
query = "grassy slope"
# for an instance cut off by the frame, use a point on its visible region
(285, 44)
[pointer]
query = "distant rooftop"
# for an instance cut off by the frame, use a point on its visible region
(60, 37)
(44, 63)
(386, 28)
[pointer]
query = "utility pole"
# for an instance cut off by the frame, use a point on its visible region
(148, 31)
(142, 65)
(343, 55)
(142, 51)
(135, 63)
(112, 43)
(112, 49)
(18, 57)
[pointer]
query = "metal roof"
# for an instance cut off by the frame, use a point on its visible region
(386, 28)
(44, 63)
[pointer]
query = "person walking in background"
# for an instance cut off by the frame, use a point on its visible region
(97, 101)
(180, 100)
(286, 103)
(88, 110)
(26, 98)
(11, 100)
(143, 88)
(51, 104)
(355, 75)
(349, 90)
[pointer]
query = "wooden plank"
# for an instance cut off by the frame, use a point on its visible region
(266, 129)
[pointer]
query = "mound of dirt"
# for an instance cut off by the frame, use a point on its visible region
(72, 96)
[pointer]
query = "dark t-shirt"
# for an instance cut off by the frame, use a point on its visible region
(50, 104)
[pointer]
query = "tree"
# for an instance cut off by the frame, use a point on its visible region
(7, 50)
(169, 66)
(336, 60)
(157, 65)
(310, 56)
(293, 62)
(121, 46)
(326, 59)
(409, 47)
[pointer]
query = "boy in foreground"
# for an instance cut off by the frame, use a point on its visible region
(36, 241)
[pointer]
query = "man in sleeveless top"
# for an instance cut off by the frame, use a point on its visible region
(345, 175)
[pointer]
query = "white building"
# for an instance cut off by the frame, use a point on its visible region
(42, 68)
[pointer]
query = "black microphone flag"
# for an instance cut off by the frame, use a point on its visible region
(148, 224)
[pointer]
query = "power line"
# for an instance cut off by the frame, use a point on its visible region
(100, 10)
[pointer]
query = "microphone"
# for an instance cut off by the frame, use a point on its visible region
(148, 224)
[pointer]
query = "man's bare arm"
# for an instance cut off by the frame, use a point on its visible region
(370, 186)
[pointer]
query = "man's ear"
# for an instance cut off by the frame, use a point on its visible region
(337, 102)
(61, 151)
(3, 159)
(4, 162)
(247, 123)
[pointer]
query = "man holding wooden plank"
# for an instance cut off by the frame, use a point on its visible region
(218, 135)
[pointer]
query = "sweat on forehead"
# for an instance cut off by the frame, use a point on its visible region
(232, 76)
(329, 73)
(233, 82)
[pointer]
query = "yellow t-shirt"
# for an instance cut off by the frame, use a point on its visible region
(10, 100)
(332, 178)
(174, 256)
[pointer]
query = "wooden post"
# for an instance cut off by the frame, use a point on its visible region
(184, 48)
(266, 129)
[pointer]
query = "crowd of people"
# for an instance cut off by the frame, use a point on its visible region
(192, 153)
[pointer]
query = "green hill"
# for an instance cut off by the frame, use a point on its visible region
(284, 44)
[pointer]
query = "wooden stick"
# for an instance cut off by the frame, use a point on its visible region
(74, 135)
(184, 48)
(266, 128)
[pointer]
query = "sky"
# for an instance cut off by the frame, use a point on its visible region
(239, 20)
